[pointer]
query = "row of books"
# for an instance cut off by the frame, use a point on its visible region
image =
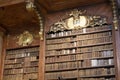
(60, 52)
(84, 30)
(12, 56)
(62, 40)
(62, 45)
(96, 72)
(13, 61)
(31, 76)
(95, 62)
(80, 43)
(21, 70)
(21, 65)
(95, 48)
(21, 60)
(13, 71)
(95, 35)
(13, 66)
(97, 78)
(105, 48)
(25, 50)
(61, 66)
(96, 54)
(83, 53)
(89, 55)
(79, 37)
(79, 64)
(13, 77)
(30, 64)
(31, 58)
(94, 41)
(30, 70)
(60, 58)
(21, 76)
(92, 30)
(63, 75)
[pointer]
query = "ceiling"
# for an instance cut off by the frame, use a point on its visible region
(57, 5)
(14, 17)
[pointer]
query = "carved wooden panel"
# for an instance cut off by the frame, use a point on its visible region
(98, 9)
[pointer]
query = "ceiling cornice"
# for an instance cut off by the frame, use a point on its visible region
(4, 3)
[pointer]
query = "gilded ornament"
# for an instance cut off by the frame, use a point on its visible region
(25, 39)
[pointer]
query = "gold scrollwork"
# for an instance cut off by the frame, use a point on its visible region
(25, 38)
(77, 20)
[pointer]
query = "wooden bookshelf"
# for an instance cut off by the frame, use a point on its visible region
(21, 64)
(84, 54)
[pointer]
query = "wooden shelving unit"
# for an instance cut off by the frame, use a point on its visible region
(83, 54)
(21, 64)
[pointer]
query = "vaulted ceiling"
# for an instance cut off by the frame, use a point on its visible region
(14, 16)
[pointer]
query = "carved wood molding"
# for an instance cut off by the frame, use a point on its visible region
(4, 3)
(77, 19)
(2, 30)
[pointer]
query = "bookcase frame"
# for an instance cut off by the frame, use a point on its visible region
(21, 63)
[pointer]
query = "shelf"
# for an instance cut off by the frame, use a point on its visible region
(96, 76)
(95, 44)
(62, 42)
(74, 34)
(74, 47)
(63, 48)
(17, 61)
(107, 57)
(76, 40)
(91, 67)
(78, 53)
(35, 61)
(61, 55)
(93, 51)
(21, 73)
(59, 42)
(24, 52)
(15, 58)
(30, 66)
(61, 37)
(60, 62)
(29, 72)
(59, 70)
(92, 38)
(95, 31)
(20, 57)
(12, 68)
(13, 63)
(14, 74)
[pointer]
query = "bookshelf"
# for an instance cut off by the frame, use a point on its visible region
(82, 54)
(21, 64)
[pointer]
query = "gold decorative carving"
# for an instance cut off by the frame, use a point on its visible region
(30, 6)
(115, 16)
(77, 20)
(25, 38)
